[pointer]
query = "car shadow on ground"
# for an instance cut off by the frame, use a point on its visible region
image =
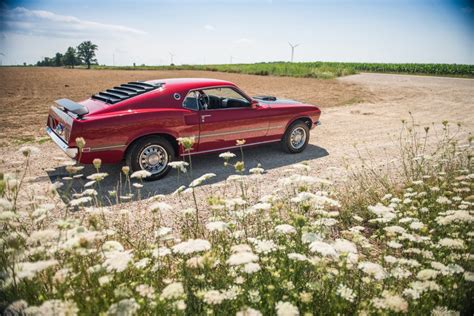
(270, 156)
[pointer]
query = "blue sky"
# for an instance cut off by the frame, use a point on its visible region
(205, 31)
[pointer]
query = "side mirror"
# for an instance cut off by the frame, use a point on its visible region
(254, 104)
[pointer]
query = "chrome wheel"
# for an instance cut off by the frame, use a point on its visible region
(298, 138)
(153, 159)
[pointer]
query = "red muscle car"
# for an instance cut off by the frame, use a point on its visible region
(140, 122)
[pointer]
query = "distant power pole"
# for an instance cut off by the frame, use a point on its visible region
(293, 50)
(171, 58)
(113, 59)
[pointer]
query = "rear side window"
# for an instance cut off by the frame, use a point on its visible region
(191, 101)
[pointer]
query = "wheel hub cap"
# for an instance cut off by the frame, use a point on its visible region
(153, 158)
(298, 138)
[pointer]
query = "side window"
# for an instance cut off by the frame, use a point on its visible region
(191, 101)
(223, 98)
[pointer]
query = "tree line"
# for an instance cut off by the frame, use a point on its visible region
(83, 54)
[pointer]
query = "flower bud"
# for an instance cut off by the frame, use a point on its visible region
(80, 142)
(97, 162)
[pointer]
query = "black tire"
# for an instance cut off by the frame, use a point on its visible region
(149, 144)
(286, 141)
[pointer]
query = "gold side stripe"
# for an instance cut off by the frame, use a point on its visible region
(240, 131)
(231, 147)
(94, 149)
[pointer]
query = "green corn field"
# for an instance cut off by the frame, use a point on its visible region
(321, 70)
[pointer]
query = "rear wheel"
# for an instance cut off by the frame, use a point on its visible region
(152, 154)
(296, 137)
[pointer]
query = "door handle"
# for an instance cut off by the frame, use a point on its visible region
(203, 117)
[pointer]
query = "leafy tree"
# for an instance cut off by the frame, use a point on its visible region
(70, 57)
(58, 59)
(86, 52)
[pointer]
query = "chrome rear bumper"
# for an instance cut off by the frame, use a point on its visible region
(70, 151)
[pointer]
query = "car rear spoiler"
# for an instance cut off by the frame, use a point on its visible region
(70, 106)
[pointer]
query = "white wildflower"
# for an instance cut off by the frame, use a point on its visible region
(173, 291)
(373, 269)
(117, 260)
(344, 246)
(297, 256)
(241, 258)
(427, 274)
(285, 229)
(346, 293)
(391, 302)
(251, 267)
(29, 269)
(218, 226)
(227, 155)
(213, 297)
(125, 307)
(201, 179)
(140, 174)
(97, 176)
(191, 246)
(451, 243)
(323, 248)
(286, 309)
(180, 165)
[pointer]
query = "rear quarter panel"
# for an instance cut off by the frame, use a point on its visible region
(107, 136)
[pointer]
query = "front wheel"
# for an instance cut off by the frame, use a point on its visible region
(296, 138)
(152, 154)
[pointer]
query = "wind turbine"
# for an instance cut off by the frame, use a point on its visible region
(171, 57)
(1, 61)
(293, 50)
(232, 58)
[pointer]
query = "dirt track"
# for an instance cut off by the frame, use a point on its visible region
(370, 125)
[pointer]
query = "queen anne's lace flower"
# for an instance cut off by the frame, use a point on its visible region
(240, 258)
(323, 248)
(173, 291)
(286, 309)
(201, 179)
(373, 269)
(285, 229)
(191, 246)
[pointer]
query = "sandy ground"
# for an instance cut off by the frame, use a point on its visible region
(372, 126)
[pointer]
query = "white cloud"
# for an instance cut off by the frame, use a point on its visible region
(209, 27)
(46, 23)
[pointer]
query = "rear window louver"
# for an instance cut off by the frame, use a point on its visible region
(125, 91)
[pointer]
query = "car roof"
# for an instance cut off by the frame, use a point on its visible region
(190, 83)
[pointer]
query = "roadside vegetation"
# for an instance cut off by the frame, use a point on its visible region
(83, 54)
(394, 239)
(320, 70)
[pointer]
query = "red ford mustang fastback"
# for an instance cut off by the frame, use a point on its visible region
(139, 122)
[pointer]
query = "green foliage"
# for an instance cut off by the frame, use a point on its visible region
(70, 57)
(86, 53)
(83, 54)
(321, 70)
